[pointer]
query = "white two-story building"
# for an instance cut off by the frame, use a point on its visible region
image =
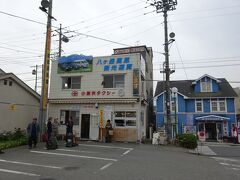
(92, 90)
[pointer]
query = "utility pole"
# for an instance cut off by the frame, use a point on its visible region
(47, 8)
(163, 6)
(60, 42)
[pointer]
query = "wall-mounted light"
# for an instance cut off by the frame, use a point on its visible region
(96, 105)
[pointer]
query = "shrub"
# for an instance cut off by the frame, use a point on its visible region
(187, 140)
(9, 140)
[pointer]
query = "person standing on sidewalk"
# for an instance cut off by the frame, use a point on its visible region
(108, 128)
(32, 131)
(235, 135)
(49, 127)
(55, 127)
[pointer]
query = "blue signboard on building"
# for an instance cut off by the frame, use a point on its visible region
(115, 64)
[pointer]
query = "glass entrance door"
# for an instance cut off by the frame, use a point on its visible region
(211, 132)
(219, 131)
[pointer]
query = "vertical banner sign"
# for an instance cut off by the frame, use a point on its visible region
(136, 82)
(101, 119)
(46, 68)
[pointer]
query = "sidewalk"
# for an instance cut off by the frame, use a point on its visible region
(224, 144)
(203, 150)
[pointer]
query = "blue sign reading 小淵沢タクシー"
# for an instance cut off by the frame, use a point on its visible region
(75, 64)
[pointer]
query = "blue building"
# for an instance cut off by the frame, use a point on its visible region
(205, 104)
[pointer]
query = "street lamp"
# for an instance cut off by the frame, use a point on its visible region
(174, 96)
(34, 72)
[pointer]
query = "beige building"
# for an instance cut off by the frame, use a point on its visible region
(18, 103)
(93, 90)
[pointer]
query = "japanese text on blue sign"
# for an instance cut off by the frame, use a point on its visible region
(115, 64)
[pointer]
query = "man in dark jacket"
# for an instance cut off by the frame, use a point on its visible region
(49, 127)
(32, 130)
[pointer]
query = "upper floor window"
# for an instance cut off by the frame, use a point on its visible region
(113, 81)
(206, 86)
(71, 82)
(218, 105)
(10, 83)
(199, 106)
(5, 82)
(222, 106)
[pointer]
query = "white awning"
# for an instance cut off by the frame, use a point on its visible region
(211, 118)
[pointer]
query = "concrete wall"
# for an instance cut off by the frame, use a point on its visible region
(26, 106)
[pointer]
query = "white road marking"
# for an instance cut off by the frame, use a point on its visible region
(113, 147)
(18, 172)
(71, 150)
(236, 169)
(126, 152)
(226, 164)
(30, 164)
(72, 155)
(225, 159)
(106, 166)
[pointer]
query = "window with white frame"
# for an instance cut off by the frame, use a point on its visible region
(222, 106)
(218, 105)
(214, 106)
(65, 115)
(206, 86)
(199, 105)
(113, 81)
(71, 82)
(125, 118)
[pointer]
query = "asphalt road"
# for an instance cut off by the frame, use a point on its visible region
(114, 161)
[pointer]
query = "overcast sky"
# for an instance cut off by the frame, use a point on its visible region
(207, 34)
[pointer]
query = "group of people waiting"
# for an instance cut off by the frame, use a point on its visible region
(33, 130)
(52, 131)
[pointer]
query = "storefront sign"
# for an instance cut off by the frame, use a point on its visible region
(130, 50)
(75, 64)
(225, 128)
(201, 136)
(115, 64)
(75, 93)
(136, 82)
(101, 119)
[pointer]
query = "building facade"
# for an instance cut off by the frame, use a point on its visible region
(92, 90)
(237, 103)
(18, 103)
(205, 104)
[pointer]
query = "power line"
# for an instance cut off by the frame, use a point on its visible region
(19, 46)
(213, 66)
(202, 62)
(176, 45)
(17, 50)
(23, 18)
(19, 17)
(97, 17)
